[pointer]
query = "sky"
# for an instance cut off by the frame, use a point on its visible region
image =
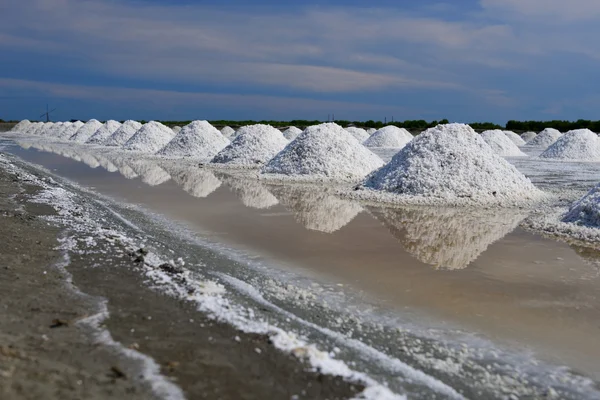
(463, 60)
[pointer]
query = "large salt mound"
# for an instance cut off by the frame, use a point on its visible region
(21, 126)
(580, 144)
(44, 128)
(123, 134)
(55, 130)
(586, 211)
(371, 131)
(228, 132)
(516, 139)
(86, 131)
(449, 164)
(151, 137)
(501, 144)
(324, 151)
(545, 138)
(254, 145)
(104, 132)
(199, 140)
(389, 136)
(292, 133)
(528, 136)
(31, 129)
(359, 134)
(69, 131)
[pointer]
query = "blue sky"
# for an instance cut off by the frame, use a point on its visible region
(472, 60)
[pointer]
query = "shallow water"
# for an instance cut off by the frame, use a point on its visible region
(452, 271)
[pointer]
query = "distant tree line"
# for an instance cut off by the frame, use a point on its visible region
(562, 126)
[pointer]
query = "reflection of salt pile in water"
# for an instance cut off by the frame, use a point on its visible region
(150, 172)
(251, 192)
(501, 144)
(86, 131)
(324, 151)
(528, 136)
(228, 132)
(123, 167)
(104, 132)
(449, 164)
(176, 129)
(291, 133)
(316, 209)
(199, 182)
(585, 211)
(69, 131)
(389, 136)
(151, 137)
(106, 163)
(580, 144)
(371, 131)
(447, 238)
(253, 146)
(24, 144)
(545, 138)
(22, 126)
(123, 133)
(516, 139)
(87, 158)
(359, 134)
(198, 140)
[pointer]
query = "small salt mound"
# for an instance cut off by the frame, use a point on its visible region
(516, 139)
(501, 144)
(371, 131)
(585, 211)
(528, 136)
(199, 140)
(252, 193)
(254, 145)
(580, 144)
(198, 182)
(324, 151)
(151, 137)
(21, 126)
(228, 132)
(123, 134)
(104, 132)
(86, 131)
(545, 138)
(450, 164)
(150, 172)
(69, 131)
(389, 136)
(176, 129)
(292, 133)
(359, 134)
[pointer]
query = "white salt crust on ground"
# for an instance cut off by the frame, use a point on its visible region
(228, 132)
(150, 138)
(104, 132)
(322, 152)
(501, 144)
(448, 164)
(86, 131)
(516, 139)
(123, 134)
(579, 144)
(545, 138)
(528, 136)
(199, 140)
(69, 131)
(389, 136)
(291, 133)
(253, 146)
(585, 211)
(359, 133)
(21, 126)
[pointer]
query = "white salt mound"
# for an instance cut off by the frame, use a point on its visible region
(254, 145)
(359, 134)
(31, 129)
(527, 136)
(199, 140)
(21, 126)
(371, 131)
(43, 129)
(451, 164)
(55, 129)
(176, 129)
(228, 132)
(69, 131)
(586, 211)
(123, 134)
(104, 132)
(545, 138)
(516, 139)
(324, 151)
(501, 144)
(86, 131)
(292, 133)
(151, 137)
(389, 136)
(580, 144)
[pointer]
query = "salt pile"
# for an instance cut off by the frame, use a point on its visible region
(527, 136)
(86, 131)
(545, 138)
(254, 145)
(371, 131)
(44, 128)
(54, 130)
(199, 140)
(123, 134)
(69, 131)
(292, 133)
(31, 129)
(198, 182)
(176, 129)
(228, 132)
(21, 126)
(389, 136)
(585, 211)
(104, 132)
(251, 192)
(324, 151)
(449, 164)
(151, 137)
(150, 172)
(580, 144)
(359, 134)
(516, 139)
(501, 144)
